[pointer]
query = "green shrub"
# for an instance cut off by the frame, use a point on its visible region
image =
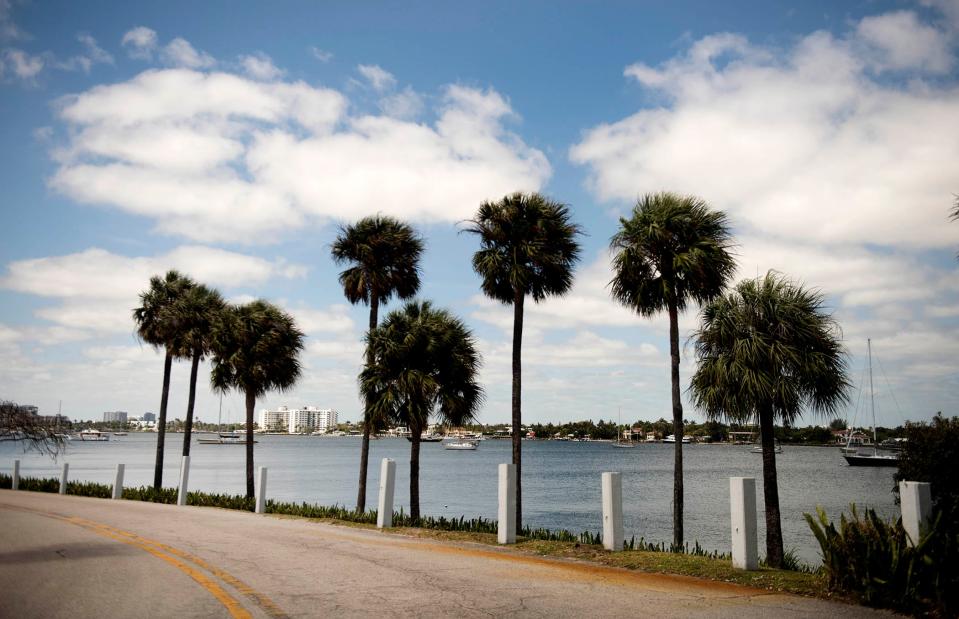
(873, 560)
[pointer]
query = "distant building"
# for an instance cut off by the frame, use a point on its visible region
(149, 417)
(30, 409)
(115, 417)
(297, 420)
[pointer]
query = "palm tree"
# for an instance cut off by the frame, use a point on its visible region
(198, 311)
(672, 250)
(255, 350)
(424, 362)
(384, 255)
(527, 247)
(158, 325)
(767, 350)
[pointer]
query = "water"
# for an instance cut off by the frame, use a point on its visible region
(561, 480)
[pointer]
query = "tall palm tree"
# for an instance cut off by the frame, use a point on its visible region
(767, 350)
(159, 325)
(384, 256)
(198, 313)
(255, 349)
(672, 250)
(528, 246)
(424, 362)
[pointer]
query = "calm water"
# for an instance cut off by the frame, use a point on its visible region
(561, 481)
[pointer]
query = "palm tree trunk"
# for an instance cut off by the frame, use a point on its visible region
(365, 446)
(250, 403)
(161, 422)
(518, 298)
(774, 533)
(188, 429)
(415, 474)
(677, 426)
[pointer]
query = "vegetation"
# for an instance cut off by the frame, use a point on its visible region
(528, 247)
(421, 362)
(158, 325)
(874, 562)
(767, 350)
(197, 313)
(255, 349)
(19, 424)
(384, 255)
(673, 250)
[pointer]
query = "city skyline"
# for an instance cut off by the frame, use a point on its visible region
(137, 140)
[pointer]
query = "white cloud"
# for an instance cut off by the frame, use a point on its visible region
(179, 53)
(23, 65)
(140, 43)
(218, 157)
(97, 289)
(379, 78)
(9, 31)
(94, 52)
(900, 42)
(802, 143)
(321, 55)
(259, 66)
(404, 105)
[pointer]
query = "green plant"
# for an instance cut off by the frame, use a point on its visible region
(873, 560)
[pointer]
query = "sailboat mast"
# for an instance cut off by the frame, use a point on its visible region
(219, 415)
(872, 394)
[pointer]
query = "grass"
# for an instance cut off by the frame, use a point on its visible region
(639, 555)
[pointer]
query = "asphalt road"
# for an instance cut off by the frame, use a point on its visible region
(65, 556)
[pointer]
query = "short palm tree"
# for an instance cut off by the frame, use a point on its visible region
(384, 255)
(528, 247)
(424, 362)
(766, 350)
(672, 250)
(198, 311)
(255, 349)
(159, 325)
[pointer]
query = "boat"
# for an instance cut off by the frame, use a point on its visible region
(427, 438)
(758, 449)
(672, 439)
(94, 435)
(460, 444)
(119, 434)
(223, 438)
(619, 442)
(875, 458)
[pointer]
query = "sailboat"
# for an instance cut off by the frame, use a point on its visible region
(223, 438)
(875, 458)
(619, 442)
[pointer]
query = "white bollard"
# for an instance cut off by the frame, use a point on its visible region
(184, 480)
(261, 490)
(506, 525)
(118, 483)
(742, 509)
(63, 477)
(915, 498)
(613, 511)
(384, 513)
(15, 483)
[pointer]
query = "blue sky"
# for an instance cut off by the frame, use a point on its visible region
(229, 140)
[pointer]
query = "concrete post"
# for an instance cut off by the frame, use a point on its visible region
(384, 513)
(15, 483)
(613, 511)
(63, 477)
(118, 483)
(742, 509)
(506, 525)
(916, 502)
(184, 480)
(261, 490)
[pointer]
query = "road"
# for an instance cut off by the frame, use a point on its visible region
(66, 556)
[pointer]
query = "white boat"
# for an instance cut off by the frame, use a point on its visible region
(119, 434)
(619, 442)
(758, 448)
(460, 444)
(875, 458)
(93, 435)
(672, 439)
(224, 438)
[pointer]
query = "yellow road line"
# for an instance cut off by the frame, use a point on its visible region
(232, 605)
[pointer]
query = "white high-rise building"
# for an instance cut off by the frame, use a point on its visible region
(298, 420)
